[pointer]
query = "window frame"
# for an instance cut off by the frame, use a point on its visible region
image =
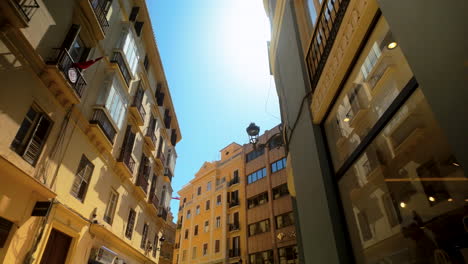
(110, 210)
(88, 168)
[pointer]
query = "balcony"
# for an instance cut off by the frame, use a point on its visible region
(118, 59)
(150, 139)
(234, 227)
(234, 202)
(153, 199)
(102, 128)
(18, 12)
(234, 253)
(161, 158)
(179, 226)
(325, 32)
(136, 109)
(66, 81)
(95, 11)
(167, 175)
(126, 163)
(142, 183)
(163, 213)
(233, 181)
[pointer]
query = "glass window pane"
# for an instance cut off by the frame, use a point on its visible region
(377, 78)
(406, 194)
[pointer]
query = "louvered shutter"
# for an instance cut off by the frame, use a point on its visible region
(5, 227)
(37, 140)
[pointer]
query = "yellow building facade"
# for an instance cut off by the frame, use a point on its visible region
(210, 214)
(238, 209)
(87, 148)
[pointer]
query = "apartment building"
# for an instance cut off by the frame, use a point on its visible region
(238, 209)
(369, 91)
(87, 148)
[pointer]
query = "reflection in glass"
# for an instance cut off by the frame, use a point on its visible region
(406, 198)
(377, 78)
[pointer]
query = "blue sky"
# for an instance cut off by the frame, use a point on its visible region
(215, 58)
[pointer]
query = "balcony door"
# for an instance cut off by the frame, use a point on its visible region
(57, 248)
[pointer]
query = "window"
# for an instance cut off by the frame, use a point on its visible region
(195, 231)
(265, 257)
(199, 190)
(217, 246)
(184, 255)
(257, 200)
(130, 224)
(207, 226)
(288, 255)
(197, 211)
(110, 208)
(278, 165)
(280, 191)
(188, 214)
(391, 143)
(257, 175)
(194, 252)
(155, 244)
(312, 11)
(32, 135)
(186, 234)
(254, 154)
(284, 220)
(116, 104)
(82, 178)
(130, 50)
(234, 198)
(218, 221)
(218, 200)
(144, 236)
(259, 227)
(207, 205)
(208, 186)
(5, 227)
(205, 249)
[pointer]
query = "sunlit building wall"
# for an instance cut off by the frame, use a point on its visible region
(377, 159)
(87, 148)
(238, 209)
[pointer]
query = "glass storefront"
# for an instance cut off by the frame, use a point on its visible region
(404, 195)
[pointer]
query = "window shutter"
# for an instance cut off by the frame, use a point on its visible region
(134, 13)
(71, 36)
(138, 27)
(5, 227)
(37, 140)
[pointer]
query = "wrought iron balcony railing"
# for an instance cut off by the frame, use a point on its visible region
(233, 181)
(127, 159)
(27, 7)
(325, 31)
(120, 61)
(99, 7)
(234, 227)
(100, 118)
(235, 252)
(64, 62)
(161, 156)
(163, 213)
(168, 173)
(142, 181)
(233, 203)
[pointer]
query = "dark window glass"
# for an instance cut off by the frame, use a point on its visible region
(280, 191)
(259, 227)
(265, 257)
(144, 236)
(288, 255)
(207, 205)
(257, 200)
(218, 200)
(186, 234)
(5, 227)
(217, 246)
(130, 224)
(284, 220)
(254, 154)
(195, 231)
